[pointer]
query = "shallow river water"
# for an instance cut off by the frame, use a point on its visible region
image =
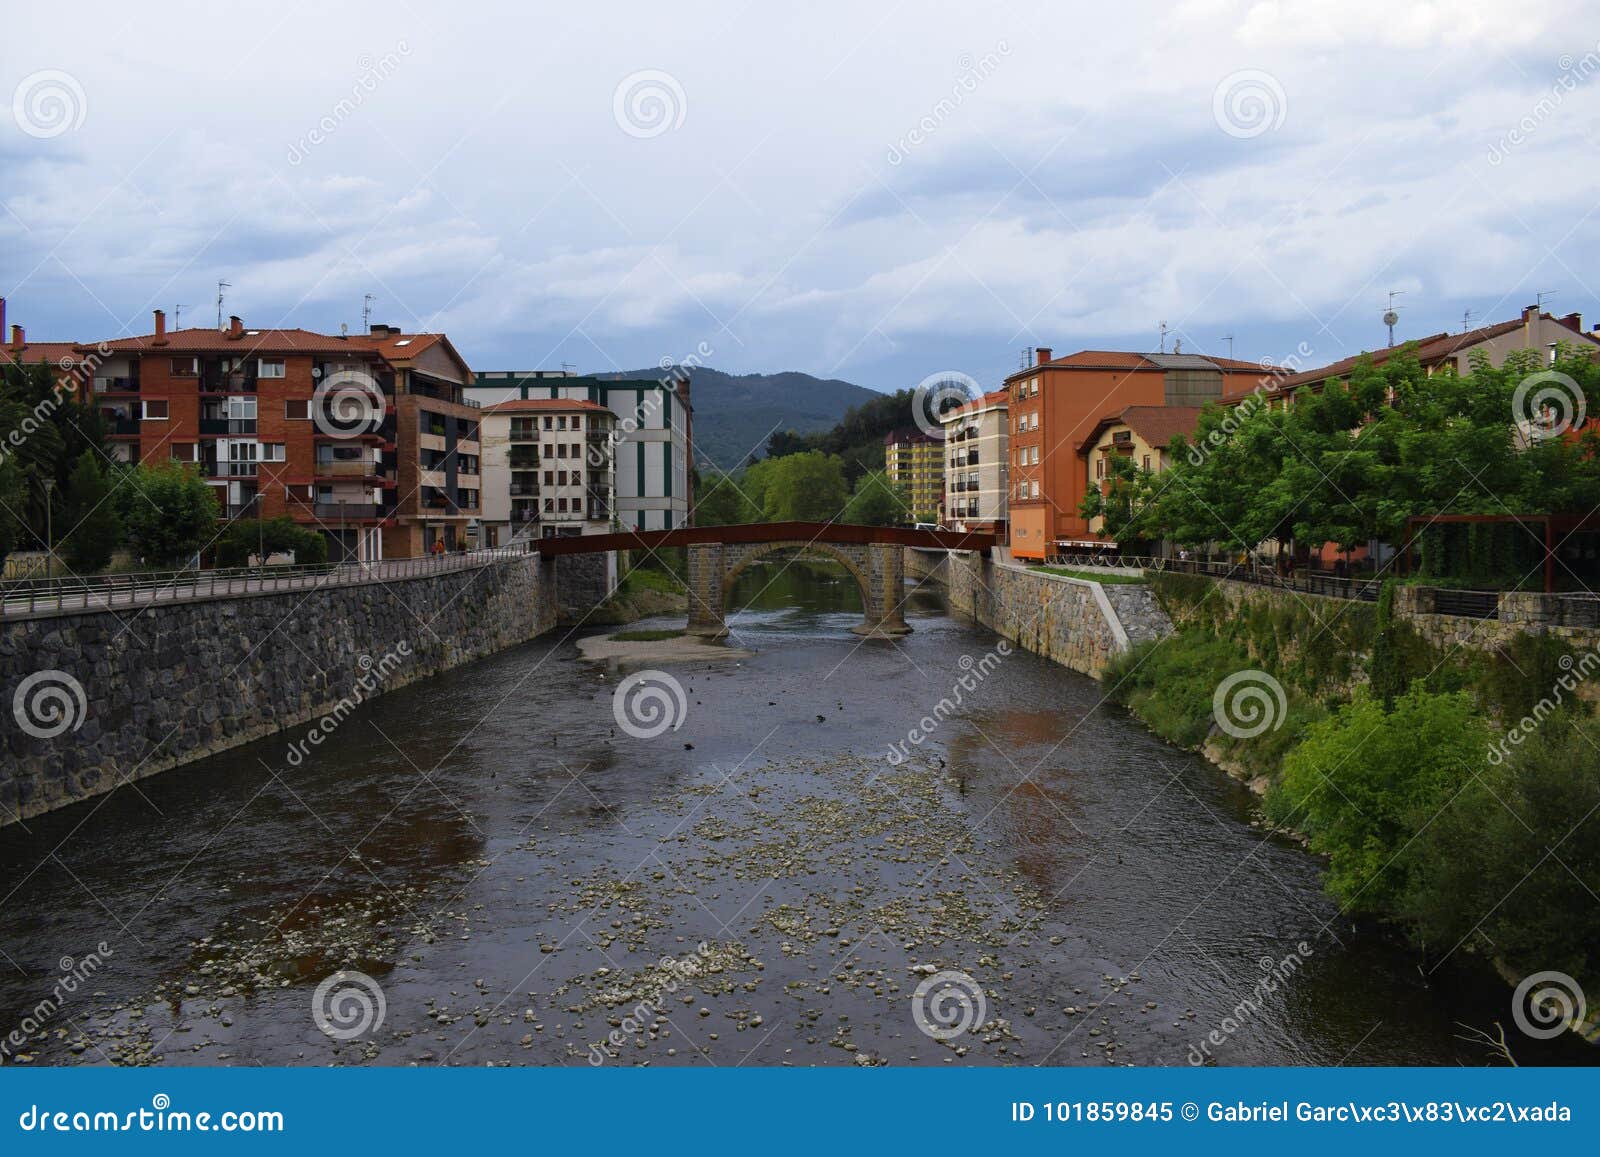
(507, 869)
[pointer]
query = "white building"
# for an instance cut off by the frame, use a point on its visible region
(654, 435)
(548, 468)
(976, 487)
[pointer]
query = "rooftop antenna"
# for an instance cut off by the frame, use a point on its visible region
(1391, 315)
(1228, 337)
(366, 312)
(177, 317)
(568, 367)
(1163, 337)
(1026, 358)
(1540, 296)
(221, 286)
(1466, 320)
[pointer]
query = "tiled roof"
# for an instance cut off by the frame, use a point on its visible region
(1157, 425)
(41, 351)
(204, 339)
(992, 398)
(1141, 362)
(544, 406)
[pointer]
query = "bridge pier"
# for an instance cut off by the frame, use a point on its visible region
(884, 594)
(706, 593)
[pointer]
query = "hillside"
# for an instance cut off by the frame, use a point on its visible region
(734, 414)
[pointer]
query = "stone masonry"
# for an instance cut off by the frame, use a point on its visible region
(179, 681)
(879, 571)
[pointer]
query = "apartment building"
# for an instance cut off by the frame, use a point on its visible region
(1140, 434)
(549, 468)
(914, 461)
(977, 465)
(365, 437)
(654, 435)
(1056, 402)
(1448, 352)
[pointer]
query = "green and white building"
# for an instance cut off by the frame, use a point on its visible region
(654, 435)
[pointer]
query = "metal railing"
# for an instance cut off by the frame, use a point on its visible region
(1324, 583)
(22, 597)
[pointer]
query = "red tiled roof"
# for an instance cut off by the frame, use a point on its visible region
(544, 405)
(992, 398)
(1134, 361)
(41, 351)
(207, 340)
(1157, 425)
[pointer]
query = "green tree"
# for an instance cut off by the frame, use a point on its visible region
(244, 538)
(808, 487)
(169, 511)
(11, 503)
(93, 523)
(1364, 782)
(877, 501)
(721, 501)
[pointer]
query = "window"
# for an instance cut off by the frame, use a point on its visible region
(269, 368)
(561, 505)
(183, 451)
(297, 411)
(185, 367)
(549, 422)
(1033, 387)
(577, 422)
(1099, 467)
(273, 451)
(1036, 490)
(1147, 461)
(561, 422)
(549, 477)
(155, 408)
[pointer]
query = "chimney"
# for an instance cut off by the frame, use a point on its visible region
(1574, 322)
(235, 326)
(161, 328)
(18, 338)
(1041, 355)
(2, 315)
(378, 330)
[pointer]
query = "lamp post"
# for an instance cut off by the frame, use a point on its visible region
(49, 525)
(344, 550)
(261, 531)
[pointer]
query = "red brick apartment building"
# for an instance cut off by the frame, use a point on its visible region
(366, 437)
(1056, 402)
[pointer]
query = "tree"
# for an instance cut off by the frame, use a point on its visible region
(877, 501)
(807, 487)
(721, 501)
(94, 526)
(245, 537)
(169, 511)
(1364, 782)
(11, 502)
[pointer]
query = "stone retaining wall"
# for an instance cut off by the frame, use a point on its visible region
(1521, 613)
(93, 700)
(1074, 622)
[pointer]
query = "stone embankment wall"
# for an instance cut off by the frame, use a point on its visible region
(926, 565)
(112, 697)
(1079, 624)
(1521, 613)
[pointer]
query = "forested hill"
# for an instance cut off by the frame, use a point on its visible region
(734, 415)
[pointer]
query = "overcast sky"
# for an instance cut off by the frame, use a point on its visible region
(861, 190)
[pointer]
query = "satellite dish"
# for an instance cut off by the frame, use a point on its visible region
(1391, 318)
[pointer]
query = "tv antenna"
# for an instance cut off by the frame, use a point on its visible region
(366, 312)
(222, 286)
(1163, 337)
(1026, 358)
(568, 367)
(177, 317)
(1228, 337)
(1466, 320)
(1540, 296)
(1391, 315)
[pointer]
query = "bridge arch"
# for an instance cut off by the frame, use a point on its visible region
(859, 567)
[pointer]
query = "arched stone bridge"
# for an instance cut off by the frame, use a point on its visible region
(717, 555)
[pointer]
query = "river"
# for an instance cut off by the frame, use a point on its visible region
(507, 869)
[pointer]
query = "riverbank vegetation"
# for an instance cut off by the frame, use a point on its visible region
(1094, 576)
(1453, 794)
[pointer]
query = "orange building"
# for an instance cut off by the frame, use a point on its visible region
(1056, 402)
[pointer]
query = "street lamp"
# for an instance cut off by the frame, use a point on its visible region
(344, 549)
(49, 526)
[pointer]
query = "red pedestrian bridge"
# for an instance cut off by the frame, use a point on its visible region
(717, 555)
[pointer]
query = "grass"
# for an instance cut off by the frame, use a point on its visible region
(1094, 576)
(649, 636)
(640, 579)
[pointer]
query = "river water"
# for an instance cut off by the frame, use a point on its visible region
(507, 870)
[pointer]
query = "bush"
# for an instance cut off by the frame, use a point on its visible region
(94, 526)
(1364, 782)
(282, 535)
(170, 512)
(1513, 866)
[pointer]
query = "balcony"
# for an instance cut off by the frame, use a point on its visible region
(229, 469)
(349, 511)
(519, 490)
(123, 426)
(110, 385)
(346, 468)
(210, 426)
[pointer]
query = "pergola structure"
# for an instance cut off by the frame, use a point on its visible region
(1552, 529)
